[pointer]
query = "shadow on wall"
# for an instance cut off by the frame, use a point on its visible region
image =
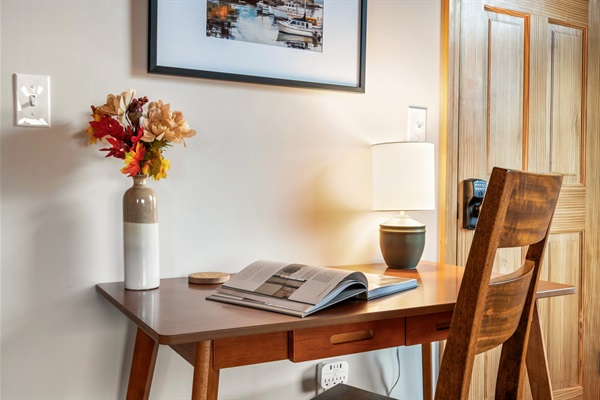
(35, 160)
(39, 176)
(37, 170)
(58, 212)
(53, 220)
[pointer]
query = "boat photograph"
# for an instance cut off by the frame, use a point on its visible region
(296, 27)
(265, 21)
(291, 9)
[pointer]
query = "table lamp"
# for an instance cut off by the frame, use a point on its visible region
(403, 180)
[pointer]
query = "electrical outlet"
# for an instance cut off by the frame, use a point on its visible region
(333, 372)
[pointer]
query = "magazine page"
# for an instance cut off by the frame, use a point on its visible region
(383, 285)
(256, 304)
(285, 281)
(250, 300)
(271, 301)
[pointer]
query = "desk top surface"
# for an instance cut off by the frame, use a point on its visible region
(178, 312)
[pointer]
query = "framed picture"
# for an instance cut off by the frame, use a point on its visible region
(300, 43)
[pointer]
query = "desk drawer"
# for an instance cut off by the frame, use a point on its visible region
(427, 328)
(332, 341)
(248, 350)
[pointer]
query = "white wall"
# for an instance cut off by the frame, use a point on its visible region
(276, 173)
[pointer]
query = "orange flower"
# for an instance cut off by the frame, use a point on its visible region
(134, 160)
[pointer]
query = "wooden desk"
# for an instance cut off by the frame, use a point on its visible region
(212, 335)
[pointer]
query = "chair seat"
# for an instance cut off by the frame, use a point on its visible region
(346, 392)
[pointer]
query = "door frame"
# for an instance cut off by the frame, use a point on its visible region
(449, 130)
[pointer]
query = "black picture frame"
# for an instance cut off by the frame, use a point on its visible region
(355, 84)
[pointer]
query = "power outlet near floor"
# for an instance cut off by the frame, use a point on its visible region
(331, 373)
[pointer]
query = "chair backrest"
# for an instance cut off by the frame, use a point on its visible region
(516, 212)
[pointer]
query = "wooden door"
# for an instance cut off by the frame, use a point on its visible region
(523, 93)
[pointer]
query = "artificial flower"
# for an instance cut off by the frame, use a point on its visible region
(90, 130)
(134, 160)
(162, 124)
(117, 105)
(136, 137)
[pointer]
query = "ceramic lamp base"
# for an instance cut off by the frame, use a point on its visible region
(402, 246)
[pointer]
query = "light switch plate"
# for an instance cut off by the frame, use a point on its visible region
(32, 100)
(417, 124)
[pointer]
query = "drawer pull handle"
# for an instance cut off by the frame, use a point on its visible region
(342, 338)
(442, 326)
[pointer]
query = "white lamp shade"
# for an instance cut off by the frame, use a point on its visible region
(403, 176)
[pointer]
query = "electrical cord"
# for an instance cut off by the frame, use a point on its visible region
(389, 392)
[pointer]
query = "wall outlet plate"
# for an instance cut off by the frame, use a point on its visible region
(333, 372)
(32, 100)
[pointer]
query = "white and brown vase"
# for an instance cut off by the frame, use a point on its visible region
(140, 236)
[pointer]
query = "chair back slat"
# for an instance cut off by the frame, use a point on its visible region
(528, 216)
(502, 312)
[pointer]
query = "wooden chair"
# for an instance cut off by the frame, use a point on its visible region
(490, 311)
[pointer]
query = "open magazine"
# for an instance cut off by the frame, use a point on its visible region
(301, 290)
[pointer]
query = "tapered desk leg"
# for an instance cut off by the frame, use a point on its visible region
(537, 362)
(142, 366)
(206, 378)
(427, 371)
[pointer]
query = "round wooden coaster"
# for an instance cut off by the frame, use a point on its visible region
(208, 278)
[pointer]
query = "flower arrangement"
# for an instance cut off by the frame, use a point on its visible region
(137, 137)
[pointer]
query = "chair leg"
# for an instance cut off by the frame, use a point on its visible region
(511, 374)
(511, 369)
(537, 362)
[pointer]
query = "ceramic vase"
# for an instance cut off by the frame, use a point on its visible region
(140, 236)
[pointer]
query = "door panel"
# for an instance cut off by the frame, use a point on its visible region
(506, 67)
(522, 82)
(566, 101)
(560, 320)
